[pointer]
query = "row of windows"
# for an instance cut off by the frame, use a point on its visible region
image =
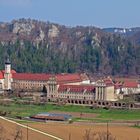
(80, 95)
(26, 84)
(83, 93)
(74, 97)
(71, 97)
(29, 81)
(35, 81)
(25, 87)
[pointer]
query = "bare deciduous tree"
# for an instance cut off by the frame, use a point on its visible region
(18, 134)
(89, 135)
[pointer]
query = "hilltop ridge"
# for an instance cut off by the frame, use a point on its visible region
(36, 46)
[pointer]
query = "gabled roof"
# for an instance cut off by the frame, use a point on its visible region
(76, 88)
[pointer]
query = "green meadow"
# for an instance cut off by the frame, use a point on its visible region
(24, 110)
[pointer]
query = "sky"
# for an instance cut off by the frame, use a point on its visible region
(99, 13)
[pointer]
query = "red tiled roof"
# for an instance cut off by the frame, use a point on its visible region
(76, 88)
(60, 78)
(68, 78)
(31, 76)
(130, 84)
(1, 75)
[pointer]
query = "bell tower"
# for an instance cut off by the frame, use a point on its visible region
(7, 75)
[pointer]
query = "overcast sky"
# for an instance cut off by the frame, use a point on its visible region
(100, 13)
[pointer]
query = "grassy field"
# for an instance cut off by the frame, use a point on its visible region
(28, 110)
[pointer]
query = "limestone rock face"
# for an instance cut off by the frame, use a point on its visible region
(53, 32)
(23, 28)
(40, 38)
(42, 35)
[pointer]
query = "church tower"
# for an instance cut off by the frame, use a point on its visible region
(7, 75)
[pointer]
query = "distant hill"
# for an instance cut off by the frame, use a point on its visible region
(36, 46)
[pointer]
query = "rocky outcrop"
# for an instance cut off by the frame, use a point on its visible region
(26, 28)
(53, 32)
